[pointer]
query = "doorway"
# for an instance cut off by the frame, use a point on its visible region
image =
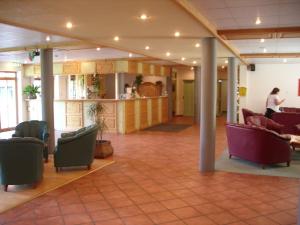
(188, 97)
(9, 101)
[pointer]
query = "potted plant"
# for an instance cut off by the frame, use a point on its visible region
(103, 147)
(30, 91)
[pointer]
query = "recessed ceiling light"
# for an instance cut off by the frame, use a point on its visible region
(130, 55)
(25, 61)
(147, 47)
(168, 53)
(192, 68)
(143, 17)
(223, 67)
(284, 60)
(197, 45)
(220, 81)
(116, 38)
(65, 58)
(226, 61)
(265, 50)
(98, 49)
(262, 40)
(177, 34)
(194, 62)
(48, 38)
(258, 21)
(182, 58)
(69, 25)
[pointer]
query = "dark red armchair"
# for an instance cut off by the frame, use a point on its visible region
(258, 145)
(265, 122)
(247, 112)
(290, 121)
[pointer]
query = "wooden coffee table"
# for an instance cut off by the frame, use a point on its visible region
(295, 142)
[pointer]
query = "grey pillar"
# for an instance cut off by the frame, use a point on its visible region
(231, 91)
(208, 104)
(197, 78)
(170, 97)
(47, 83)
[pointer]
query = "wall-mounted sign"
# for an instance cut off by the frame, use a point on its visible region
(242, 91)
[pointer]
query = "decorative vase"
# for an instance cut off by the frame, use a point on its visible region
(103, 149)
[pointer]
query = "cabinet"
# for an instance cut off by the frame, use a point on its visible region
(105, 67)
(32, 70)
(88, 67)
(74, 114)
(71, 68)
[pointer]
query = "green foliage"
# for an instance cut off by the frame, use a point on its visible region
(30, 90)
(138, 80)
(95, 112)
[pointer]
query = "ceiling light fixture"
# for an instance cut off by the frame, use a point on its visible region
(143, 17)
(262, 40)
(65, 58)
(25, 61)
(147, 47)
(98, 49)
(226, 61)
(258, 21)
(197, 45)
(194, 62)
(69, 25)
(182, 58)
(284, 60)
(168, 53)
(130, 55)
(48, 38)
(223, 67)
(265, 50)
(177, 34)
(116, 38)
(192, 68)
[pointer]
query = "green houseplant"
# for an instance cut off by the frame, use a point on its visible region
(30, 91)
(103, 147)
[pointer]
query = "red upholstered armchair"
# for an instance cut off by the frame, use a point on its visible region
(247, 112)
(290, 121)
(265, 122)
(257, 144)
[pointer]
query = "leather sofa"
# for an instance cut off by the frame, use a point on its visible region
(34, 128)
(21, 161)
(247, 112)
(262, 121)
(290, 121)
(76, 148)
(290, 109)
(258, 145)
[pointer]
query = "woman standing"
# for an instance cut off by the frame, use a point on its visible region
(273, 102)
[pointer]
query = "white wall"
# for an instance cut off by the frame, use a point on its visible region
(265, 78)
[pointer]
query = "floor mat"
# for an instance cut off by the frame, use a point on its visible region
(168, 127)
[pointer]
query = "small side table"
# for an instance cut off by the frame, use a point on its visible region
(295, 142)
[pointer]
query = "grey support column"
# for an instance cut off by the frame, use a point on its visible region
(47, 83)
(197, 78)
(208, 104)
(231, 91)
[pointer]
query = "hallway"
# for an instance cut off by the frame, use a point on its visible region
(155, 180)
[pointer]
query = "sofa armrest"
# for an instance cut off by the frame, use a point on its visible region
(17, 134)
(69, 134)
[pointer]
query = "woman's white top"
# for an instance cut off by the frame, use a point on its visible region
(271, 102)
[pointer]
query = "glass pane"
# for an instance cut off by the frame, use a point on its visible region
(8, 109)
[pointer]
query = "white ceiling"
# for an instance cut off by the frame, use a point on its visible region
(98, 21)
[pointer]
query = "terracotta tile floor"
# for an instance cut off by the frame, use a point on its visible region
(155, 180)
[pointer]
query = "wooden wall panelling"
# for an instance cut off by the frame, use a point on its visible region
(74, 114)
(157, 70)
(167, 71)
(146, 69)
(57, 69)
(164, 110)
(155, 118)
(37, 70)
(110, 115)
(105, 67)
(88, 67)
(143, 114)
(129, 116)
(71, 68)
(132, 67)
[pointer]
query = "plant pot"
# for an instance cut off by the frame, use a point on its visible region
(103, 149)
(32, 96)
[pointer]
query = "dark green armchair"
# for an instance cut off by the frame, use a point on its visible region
(76, 148)
(21, 161)
(34, 128)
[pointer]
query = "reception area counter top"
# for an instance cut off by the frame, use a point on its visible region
(121, 115)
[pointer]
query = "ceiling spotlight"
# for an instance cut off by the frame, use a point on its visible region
(284, 60)
(220, 81)
(226, 61)
(116, 38)
(262, 40)
(143, 17)
(258, 21)
(25, 61)
(130, 55)
(65, 58)
(177, 34)
(69, 25)
(168, 53)
(197, 45)
(194, 62)
(265, 50)
(48, 38)
(147, 47)
(182, 58)
(98, 49)
(223, 67)
(192, 68)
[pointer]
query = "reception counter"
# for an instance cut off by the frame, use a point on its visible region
(121, 116)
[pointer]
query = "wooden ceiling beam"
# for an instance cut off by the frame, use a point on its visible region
(257, 33)
(271, 55)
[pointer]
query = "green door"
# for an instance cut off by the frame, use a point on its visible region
(188, 95)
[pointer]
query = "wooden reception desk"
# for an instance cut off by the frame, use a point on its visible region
(121, 116)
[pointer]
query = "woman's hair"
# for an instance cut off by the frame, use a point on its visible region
(275, 91)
